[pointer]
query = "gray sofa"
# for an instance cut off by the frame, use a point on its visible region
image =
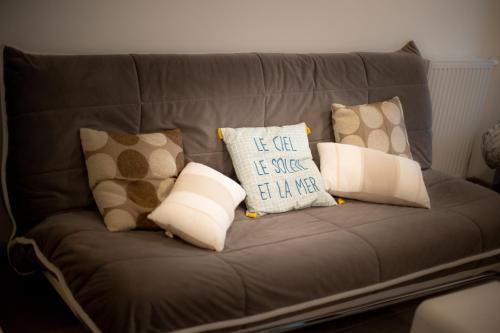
(279, 271)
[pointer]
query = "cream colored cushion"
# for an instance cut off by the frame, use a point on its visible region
(275, 167)
(200, 207)
(370, 175)
(377, 125)
(130, 174)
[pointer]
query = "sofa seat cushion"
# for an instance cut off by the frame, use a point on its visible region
(143, 281)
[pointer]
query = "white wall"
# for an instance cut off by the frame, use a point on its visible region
(441, 28)
(491, 47)
(445, 28)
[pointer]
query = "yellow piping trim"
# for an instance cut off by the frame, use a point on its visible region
(219, 133)
(340, 201)
(308, 130)
(251, 214)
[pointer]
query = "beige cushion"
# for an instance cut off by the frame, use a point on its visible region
(370, 175)
(378, 126)
(130, 174)
(200, 207)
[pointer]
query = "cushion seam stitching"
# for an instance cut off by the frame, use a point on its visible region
(473, 222)
(372, 247)
(245, 289)
(265, 95)
(140, 102)
(379, 265)
(366, 76)
(139, 91)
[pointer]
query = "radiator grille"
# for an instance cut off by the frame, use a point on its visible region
(458, 92)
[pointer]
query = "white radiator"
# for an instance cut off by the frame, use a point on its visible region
(458, 92)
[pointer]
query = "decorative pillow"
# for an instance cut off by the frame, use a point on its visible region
(370, 175)
(378, 126)
(130, 174)
(275, 167)
(200, 207)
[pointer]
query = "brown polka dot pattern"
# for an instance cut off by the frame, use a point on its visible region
(124, 139)
(126, 187)
(176, 137)
(179, 161)
(144, 223)
(132, 164)
(142, 193)
(377, 126)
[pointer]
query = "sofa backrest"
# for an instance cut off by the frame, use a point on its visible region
(49, 98)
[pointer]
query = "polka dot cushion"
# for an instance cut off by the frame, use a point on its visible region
(378, 126)
(130, 174)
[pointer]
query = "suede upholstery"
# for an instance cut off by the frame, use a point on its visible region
(142, 281)
(49, 98)
(275, 261)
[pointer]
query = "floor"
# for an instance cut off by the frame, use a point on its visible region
(30, 304)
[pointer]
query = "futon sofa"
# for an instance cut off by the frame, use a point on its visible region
(278, 271)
